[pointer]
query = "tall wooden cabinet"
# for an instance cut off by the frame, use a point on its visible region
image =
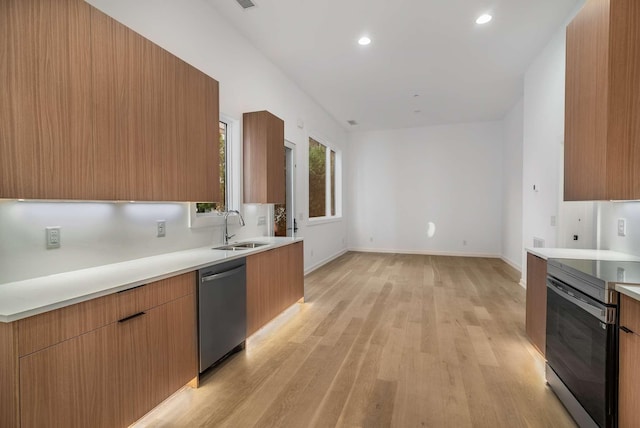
(275, 281)
(602, 102)
(629, 369)
(536, 305)
(92, 110)
(263, 151)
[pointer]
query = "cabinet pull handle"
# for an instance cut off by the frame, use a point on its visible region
(130, 317)
(131, 289)
(625, 329)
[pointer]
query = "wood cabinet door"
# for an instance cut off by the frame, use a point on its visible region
(173, 353)
(262, 289)
(585, 145)
(72, 384)
(263, 153)
(45, 107)
(536, 305)
(629, 368)
(134, 376)
(293, 273)
(155, 120)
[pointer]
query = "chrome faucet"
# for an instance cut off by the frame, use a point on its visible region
(226, 231)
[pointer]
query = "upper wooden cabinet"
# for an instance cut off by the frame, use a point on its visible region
(95, 111)
(45, 108)
(263, 151)
(602, 106)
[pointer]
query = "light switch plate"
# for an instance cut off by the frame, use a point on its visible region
(162, 228)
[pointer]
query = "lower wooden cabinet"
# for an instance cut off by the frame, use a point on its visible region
(72, 383)
(629, 369)
(536, 315)
(113, 375)
(275, 281)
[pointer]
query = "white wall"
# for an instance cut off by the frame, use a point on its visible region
(449, 175)
(512, 186)
(101, 233)
(543, 138)
(610, 212)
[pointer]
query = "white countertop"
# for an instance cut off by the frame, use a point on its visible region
(573, 253)
(631, 290)
(22, 299)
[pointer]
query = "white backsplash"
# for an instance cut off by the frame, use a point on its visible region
(96, 233)
(609, 213)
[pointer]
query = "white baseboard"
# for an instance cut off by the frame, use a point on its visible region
(325, 261)
(512, 264)
(424, 252)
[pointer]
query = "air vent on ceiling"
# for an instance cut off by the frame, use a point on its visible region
(352, 122)
(246, 4)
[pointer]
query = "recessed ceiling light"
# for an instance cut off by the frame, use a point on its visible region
(483, 19)
(364, 41)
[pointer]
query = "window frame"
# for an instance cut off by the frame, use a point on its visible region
(337, 191)
(232, 180)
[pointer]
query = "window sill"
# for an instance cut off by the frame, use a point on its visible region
(323, 220)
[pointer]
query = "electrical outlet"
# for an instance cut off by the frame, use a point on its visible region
(53, 237)
(621, 274)
(262, 220)
(162, 228)
(553, 220)
(464, 242)
(622, 227)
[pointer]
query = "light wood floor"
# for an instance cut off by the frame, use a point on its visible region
(384, 341)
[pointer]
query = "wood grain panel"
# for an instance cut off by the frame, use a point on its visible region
(72, 384)
(135, 379)
(130, 302)
(629, 378)
(536, 305)
(174, 355)
(276, 173)
(124, 151)
(45, 121)
(586, 104)
(47, 329)
(194, 165)
(623, 156)
(630, 313)
(293, 273)
(262, 277)
(9, 375)
(263, 153)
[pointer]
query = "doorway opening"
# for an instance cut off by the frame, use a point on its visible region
(285, 223)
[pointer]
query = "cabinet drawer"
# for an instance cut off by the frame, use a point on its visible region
(139, 299)
(40, 331)
(630, 313)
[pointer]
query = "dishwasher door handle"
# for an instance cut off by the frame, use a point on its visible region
(222, 275)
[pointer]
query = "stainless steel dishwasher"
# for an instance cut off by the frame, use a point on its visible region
(222, 310)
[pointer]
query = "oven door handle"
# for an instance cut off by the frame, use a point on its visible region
(604, 314)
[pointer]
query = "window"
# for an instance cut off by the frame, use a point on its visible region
(208, 207)
(204, 214)
(324, 183)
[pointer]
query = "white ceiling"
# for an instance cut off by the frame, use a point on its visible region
(461, 71)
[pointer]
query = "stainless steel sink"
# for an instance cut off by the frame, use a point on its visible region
(230, 248)
(250, 244)
(240, 246)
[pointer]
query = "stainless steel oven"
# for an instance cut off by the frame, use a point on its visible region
(582, 344)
